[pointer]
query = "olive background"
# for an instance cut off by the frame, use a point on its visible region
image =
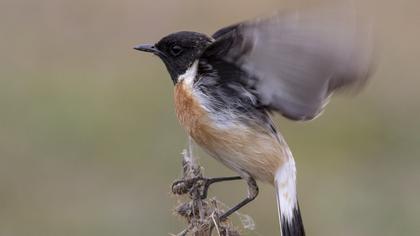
(89, 142)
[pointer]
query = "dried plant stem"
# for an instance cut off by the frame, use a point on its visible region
(202, 215)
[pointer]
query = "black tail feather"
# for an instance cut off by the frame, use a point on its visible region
(293, 227)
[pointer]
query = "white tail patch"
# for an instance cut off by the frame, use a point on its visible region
(285, 183)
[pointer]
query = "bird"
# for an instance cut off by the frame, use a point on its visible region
(228, 86)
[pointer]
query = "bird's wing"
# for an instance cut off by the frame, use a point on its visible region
(298, 58)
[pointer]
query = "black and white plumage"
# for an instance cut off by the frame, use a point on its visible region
(296, 60)
(227, 85)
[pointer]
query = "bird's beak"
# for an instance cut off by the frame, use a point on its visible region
(147, 48)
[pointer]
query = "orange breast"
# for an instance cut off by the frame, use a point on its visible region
(188, 110)
(240, 147)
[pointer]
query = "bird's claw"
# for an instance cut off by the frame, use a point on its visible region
(185, 186)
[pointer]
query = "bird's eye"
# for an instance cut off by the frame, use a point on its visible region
(176, 50)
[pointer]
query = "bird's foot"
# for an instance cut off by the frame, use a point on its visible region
(185, 186)
(200, 184)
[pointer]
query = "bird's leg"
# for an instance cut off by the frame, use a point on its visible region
(252, 194)
(185, 185)
(211, 181)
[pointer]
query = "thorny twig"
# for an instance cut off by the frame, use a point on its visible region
(202, 215)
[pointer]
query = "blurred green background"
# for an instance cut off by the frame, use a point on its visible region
(89, 143)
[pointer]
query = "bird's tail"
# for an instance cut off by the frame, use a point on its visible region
(291, 223)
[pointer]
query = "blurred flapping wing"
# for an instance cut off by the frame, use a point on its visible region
(299, 58)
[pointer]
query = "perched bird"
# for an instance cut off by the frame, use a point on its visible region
(228, 85)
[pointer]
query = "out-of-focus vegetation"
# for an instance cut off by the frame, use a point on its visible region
(89, 142)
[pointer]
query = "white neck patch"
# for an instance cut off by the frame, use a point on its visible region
(189, 75)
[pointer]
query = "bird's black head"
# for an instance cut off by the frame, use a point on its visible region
(178, 51)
